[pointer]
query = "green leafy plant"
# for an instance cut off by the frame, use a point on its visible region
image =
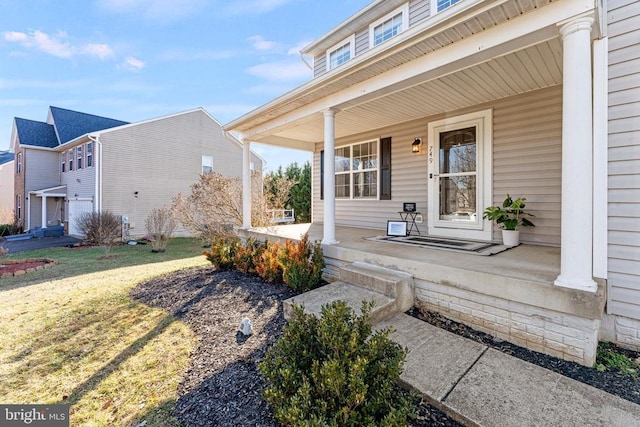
(510, 215)
(607, 357)
(223, 252)
(333, 371)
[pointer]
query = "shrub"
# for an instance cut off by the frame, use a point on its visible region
(3, 252)
(159, 225)
(223, 252)
(248, 255)
(100, 228)
(268, 265)
(302, 264)
(333, 371)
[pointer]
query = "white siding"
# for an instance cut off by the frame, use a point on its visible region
(7, 198)
(41, 169)
(160, 159)
(419, 10)
(624, 159)
(527, 162)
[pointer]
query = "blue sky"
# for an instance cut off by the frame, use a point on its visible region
(139, 59)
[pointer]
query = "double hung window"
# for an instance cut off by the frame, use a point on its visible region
(79, 154)
(89, 154)
(356, 169)
(341, 53)
(389, 26)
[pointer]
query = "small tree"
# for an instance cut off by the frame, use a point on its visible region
(332, 371)
(100, 228)
(159, 225)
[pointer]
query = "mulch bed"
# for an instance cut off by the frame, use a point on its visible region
(223, 384)
(24, 266)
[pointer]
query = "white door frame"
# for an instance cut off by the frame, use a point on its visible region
(480, 229)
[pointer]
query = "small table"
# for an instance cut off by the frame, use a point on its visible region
(410, 217)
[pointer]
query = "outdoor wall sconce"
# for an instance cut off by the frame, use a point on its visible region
(135, 193)
(415, 147)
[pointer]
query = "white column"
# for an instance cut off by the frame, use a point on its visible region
(246, 184)
(329, 229)
(44, 211)
(576, 259)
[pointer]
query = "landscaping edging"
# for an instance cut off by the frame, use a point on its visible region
(48, 262)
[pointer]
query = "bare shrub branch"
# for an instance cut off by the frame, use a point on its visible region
(100, 228)
(159, 225)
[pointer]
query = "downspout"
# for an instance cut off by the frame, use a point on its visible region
(98, 178)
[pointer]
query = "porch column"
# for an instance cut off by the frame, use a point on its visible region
(329, 229)
(44, 211)
(246, 184)
(576, 259)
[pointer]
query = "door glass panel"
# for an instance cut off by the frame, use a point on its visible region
(458, 151)
(458, 198)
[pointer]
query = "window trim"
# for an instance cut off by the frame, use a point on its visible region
(72, 154)
(19, 163)
(19, 206)
(403, 10)
(89, 152)
(351, 40)
(351, 172)
(63, 162)
(203, 165)
(79, 156)
(434, 7)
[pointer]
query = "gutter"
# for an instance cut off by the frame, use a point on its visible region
(98, 178)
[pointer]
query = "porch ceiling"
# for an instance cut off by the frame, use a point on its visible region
(535, 67)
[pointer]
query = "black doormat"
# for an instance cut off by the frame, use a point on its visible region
(455, 245)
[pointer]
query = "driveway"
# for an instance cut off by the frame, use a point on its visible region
(35, 243)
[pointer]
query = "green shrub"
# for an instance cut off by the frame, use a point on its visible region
(268, 265)
(608, 357)
(302, 264)
(223, 252)
(247, 255)
(333, 371)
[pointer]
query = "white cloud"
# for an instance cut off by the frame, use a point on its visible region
(131, 64)
(297, 48)
(259, 43)
(57, 45)
(154, 10)
(286, 70)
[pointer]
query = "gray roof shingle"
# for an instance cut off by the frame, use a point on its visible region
(6, 157)
(34, 133)
(72, 124)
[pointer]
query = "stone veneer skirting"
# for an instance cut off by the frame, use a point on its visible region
(561, 335)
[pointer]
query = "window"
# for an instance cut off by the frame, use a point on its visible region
(70, 160)
(440, 5)
(207, 164)
(357, 171)
(341, 53)
(19, 206)
(79, 154)
(389, 26)
(63, 161)
(19, 163)
(89, 154)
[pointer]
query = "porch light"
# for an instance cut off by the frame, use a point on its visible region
(415, 147)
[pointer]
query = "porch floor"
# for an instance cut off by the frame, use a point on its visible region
(525, 262)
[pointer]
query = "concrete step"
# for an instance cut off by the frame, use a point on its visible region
(392, 283)
(313, 301)
(17, 237)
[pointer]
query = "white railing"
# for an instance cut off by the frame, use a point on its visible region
(281, 216)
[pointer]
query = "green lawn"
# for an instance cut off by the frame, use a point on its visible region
(71, 333)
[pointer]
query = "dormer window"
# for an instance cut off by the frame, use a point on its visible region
(440, 5)
(389, 26)
(341, 53)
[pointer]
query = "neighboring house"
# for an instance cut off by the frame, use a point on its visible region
(539, 99)
(77, 162)
(6, 187)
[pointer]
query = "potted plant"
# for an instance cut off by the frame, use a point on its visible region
(510, 216)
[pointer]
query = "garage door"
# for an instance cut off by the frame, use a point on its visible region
(76, 209)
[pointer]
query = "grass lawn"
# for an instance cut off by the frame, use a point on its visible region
(72, 334)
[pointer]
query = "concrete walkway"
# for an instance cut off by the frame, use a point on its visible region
(38, 243)
(485, 387)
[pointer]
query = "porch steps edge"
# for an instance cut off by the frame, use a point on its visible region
(313, 300)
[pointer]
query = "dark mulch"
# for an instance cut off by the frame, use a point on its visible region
(223, 384)
(610, 380)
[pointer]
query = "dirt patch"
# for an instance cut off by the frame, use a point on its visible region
(20, 267)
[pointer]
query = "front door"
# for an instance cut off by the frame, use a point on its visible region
(459, 176)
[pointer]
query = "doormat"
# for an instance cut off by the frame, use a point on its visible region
(454, 245)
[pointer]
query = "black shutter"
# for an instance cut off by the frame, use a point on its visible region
(385, 169)
(322, 175)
